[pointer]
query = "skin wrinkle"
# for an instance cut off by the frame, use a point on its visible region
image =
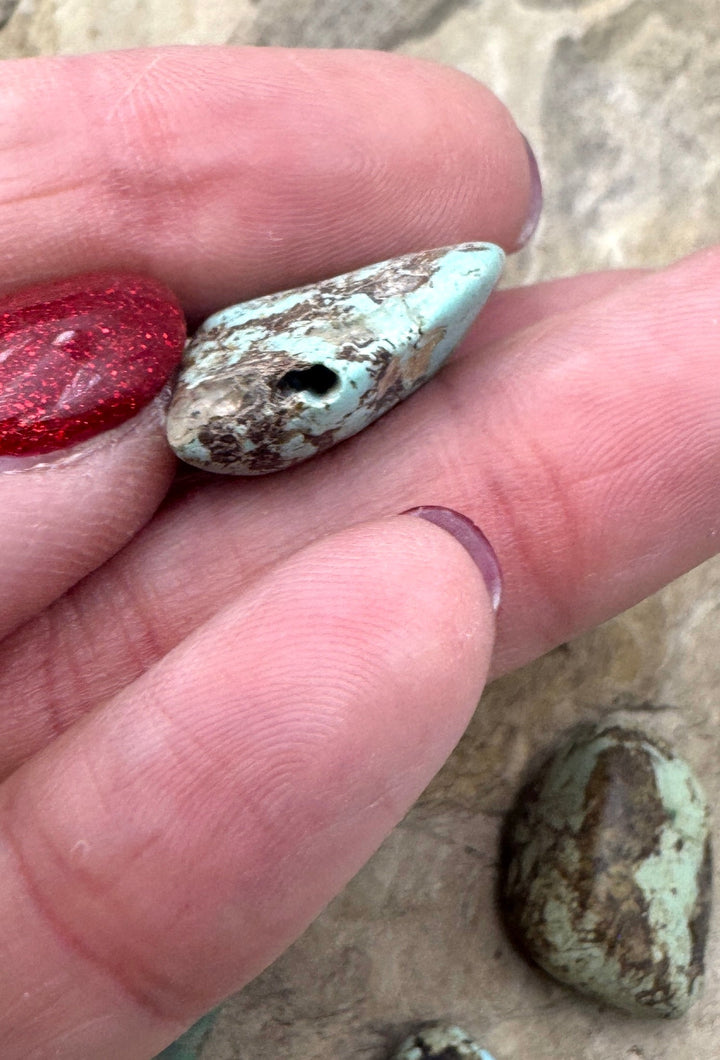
(55, 717)
(144, 1000)
(70, 539)
(139, 77)
(136, 609)
(567, 526)
(51, 192)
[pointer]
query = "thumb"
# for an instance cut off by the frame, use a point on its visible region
(80, 470)
(178, 839)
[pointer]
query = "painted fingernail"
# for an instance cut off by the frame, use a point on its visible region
(79, 356)
(473, 541)
(536, 199)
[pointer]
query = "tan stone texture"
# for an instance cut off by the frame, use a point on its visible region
(621, 99)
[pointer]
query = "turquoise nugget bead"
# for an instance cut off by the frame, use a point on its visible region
(441, 1043)
(608, 871)
(272, 382)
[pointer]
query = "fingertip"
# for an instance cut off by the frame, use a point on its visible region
(473, 540)
(261, 170)
(279, 744)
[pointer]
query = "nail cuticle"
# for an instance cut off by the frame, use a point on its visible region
(535, 203)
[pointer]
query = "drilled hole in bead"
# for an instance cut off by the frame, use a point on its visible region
(317, 380)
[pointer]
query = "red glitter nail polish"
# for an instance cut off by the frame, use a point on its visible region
(81, 355)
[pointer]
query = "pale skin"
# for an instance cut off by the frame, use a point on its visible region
(206, 737)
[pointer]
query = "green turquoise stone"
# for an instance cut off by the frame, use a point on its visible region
(190, 1045)
(272, 382)
(441, 1043)
(607, 871)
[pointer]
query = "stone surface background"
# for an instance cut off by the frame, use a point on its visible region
(621, 99)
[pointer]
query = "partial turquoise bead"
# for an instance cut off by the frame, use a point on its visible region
(608, 871)
(190, 1045)
(269, 383)
(441, 1043)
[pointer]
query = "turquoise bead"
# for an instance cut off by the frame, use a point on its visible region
(190, 1045)
(441, 1043)
(607, 878)
(271, 382)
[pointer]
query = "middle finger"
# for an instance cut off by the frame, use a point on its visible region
(585, 447)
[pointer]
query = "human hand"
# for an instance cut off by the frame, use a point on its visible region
(204, 738)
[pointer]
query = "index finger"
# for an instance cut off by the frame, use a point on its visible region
(223, 171)
(232, 171)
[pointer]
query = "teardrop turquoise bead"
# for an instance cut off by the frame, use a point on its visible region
(269, 383)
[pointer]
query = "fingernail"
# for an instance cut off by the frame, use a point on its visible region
(150, 421)
(79, 356)
(536, 199)
(473, 541)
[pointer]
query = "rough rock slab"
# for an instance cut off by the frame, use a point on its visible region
(621, 100)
